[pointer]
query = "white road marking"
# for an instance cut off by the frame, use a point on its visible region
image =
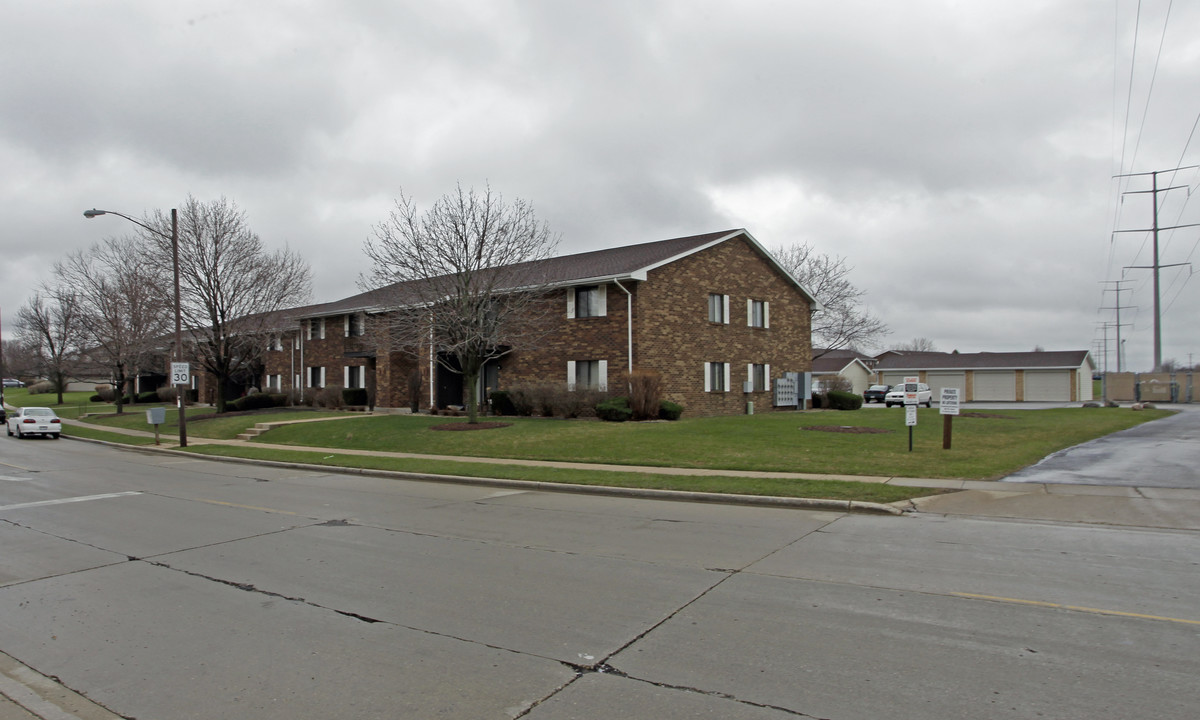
(61, 501)
(13, 479)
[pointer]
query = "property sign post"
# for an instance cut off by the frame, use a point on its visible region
(911, 387)
(948, 407)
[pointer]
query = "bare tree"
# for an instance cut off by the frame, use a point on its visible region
(920, 344)
(231, 285)
(842, 321)
(49, 324)
(124, 304)
(463, 280)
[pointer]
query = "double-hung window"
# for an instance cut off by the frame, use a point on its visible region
(587, 374)
(353, 377)
(354, 325)
(316, 329)
(587, 301)
(718, 308)
(716, 377)
(316, 377)
(758, 313)
(758, 375)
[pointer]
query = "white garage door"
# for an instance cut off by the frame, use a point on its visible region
(1048, 385)
(996, 385)
(939, 380)
(894, 379)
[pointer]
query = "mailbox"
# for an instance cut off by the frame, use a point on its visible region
(156, 416)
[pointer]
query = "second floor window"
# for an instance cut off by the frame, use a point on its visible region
(758, 313)
(587, 301)
(718, 308)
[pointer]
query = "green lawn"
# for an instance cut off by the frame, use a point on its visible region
(983, 447)
(74, 403)
(202, 421)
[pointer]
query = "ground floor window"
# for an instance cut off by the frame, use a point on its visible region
(316, 377)
(716, 377)
(354, 377)
(758, 375)
(275, 382)
(587, 374)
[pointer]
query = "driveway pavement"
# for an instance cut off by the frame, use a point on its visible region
(1162, 454)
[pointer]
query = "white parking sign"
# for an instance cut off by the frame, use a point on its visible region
(949, 403)
(180, 373)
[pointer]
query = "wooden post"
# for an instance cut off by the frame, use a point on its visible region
(947, 430)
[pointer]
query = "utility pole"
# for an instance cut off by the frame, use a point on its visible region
(1118, 324)
(1154, 191)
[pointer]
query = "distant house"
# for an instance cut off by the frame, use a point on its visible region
(849, 364)
(714, 314)
(1053, 376)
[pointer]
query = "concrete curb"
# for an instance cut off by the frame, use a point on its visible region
(604, 490)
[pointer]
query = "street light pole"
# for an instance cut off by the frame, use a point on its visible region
(180, 388)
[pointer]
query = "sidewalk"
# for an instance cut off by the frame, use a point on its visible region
(1100, 504)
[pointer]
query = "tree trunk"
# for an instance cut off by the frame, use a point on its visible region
(471, 367)
(120, 387)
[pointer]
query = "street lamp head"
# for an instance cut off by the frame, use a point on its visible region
(93, 213)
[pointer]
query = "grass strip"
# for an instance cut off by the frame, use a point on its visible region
(85, 431)
(800, 488)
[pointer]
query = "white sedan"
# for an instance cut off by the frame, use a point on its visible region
(34, 421)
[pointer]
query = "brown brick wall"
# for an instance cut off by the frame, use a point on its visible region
(676, 338)
(672, 335)
(589, 338)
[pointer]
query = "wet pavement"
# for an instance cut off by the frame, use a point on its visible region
(1161, 454)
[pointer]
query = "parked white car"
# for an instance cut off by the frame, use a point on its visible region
(34, 421)
(896, 397)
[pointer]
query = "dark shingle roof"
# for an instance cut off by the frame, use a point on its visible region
(628, 261)
(898, 360)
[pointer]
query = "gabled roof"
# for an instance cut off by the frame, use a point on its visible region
(629, 262)
(894, 360)
(835, 364)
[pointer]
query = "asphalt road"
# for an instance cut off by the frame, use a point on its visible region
(1164, 454)
(164, 587)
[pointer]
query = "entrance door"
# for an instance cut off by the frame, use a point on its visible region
(449, 382)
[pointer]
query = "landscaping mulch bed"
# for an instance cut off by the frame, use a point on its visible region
(847, 429)
(469, 426)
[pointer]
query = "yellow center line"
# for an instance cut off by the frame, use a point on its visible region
(245, 507)
(1077, 608)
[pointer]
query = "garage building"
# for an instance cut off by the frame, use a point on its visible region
(1043, 376)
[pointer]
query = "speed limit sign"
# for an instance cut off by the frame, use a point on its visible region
(180, 373)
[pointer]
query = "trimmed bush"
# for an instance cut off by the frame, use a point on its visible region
(45, 386)
(354, 396)
(614, 410)
(329, 397)
(668, 410)
(502, 403)
(839, 400)
(148, 397)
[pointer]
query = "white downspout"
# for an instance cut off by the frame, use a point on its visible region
(628, 322)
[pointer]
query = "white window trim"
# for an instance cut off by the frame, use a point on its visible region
(750, 313)
(708, 376)
(602, 380)
(726, 297)
(346, 376)
(321, 376)
(601, 309)
(346, 326)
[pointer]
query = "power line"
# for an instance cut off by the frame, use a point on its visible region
(1156, 267)
(1118, 324)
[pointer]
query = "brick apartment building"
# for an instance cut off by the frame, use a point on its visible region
(714, 314)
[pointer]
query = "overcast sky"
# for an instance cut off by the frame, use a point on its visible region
(959, 155)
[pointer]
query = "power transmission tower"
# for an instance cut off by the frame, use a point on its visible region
(1154, 191)
(1118, 324)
